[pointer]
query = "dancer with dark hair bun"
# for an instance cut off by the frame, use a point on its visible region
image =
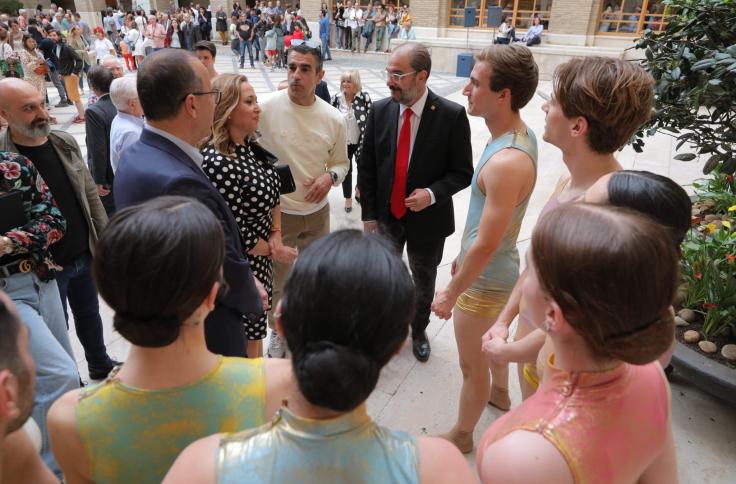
(158, 265)
(648, 193)
(323, 433)
(600, 281)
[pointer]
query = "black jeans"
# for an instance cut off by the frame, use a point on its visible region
(347, 39)
(425, 254)
(76, 285)
(347, 183)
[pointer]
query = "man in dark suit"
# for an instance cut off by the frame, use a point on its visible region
(416, 155)
(322, 91)
(99, 118)
(179, 103)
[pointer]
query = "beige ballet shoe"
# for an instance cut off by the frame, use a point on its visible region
(462, 440)
(500, 398)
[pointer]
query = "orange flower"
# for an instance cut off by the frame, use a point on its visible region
(710, 306)
(698, 275)
(731, 258)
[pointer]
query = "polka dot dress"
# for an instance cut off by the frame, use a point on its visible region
(251, 188)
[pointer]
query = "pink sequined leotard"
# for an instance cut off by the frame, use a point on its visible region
(609, 426)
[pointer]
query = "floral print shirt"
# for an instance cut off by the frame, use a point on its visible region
(44, 223)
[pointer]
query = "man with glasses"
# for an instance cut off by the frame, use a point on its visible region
(416, 155)
(309, 135)
(176, 94)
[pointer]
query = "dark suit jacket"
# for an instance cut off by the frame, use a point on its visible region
(69, 61)
(155, 166)
(99, 120)
(441, 160)
(47, 47)
(322, 92)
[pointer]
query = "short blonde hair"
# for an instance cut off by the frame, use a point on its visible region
(229, 87)
(354, 77)
(615, 97)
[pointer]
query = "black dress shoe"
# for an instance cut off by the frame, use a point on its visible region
(420, 347)
(101, 372)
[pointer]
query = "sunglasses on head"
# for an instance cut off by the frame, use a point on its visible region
(309, 43)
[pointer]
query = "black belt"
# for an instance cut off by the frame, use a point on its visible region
(19, 266)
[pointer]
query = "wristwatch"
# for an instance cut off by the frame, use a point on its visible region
(334, 176)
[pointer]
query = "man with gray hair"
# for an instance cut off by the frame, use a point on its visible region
(113, 64)
(128, 123)
(416, 156)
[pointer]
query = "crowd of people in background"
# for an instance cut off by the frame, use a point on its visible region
(201, 217)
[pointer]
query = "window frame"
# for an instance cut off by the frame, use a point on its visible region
(622, 19)
(515, 12)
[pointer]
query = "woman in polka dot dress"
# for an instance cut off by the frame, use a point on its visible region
(243, 172)
(354, 104)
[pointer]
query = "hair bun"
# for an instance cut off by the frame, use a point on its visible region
(149, 332)
(644, 344)
(334, 376)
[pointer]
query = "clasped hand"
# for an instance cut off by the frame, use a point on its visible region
(442, 304)
(494, 344)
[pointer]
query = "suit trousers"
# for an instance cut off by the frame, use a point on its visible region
(425, 254)
(296, 231)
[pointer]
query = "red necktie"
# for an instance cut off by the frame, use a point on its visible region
(398, 193)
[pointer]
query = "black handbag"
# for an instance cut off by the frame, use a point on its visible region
(288, 185)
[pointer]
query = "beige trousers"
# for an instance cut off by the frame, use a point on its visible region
(296, 231)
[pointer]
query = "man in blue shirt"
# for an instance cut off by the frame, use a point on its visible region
(324, 34)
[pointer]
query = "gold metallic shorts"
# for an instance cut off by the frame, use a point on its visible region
(482, 303)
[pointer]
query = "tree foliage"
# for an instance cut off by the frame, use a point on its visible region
(10, 7)
(693, 62)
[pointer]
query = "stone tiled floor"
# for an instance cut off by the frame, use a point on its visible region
(422, 398)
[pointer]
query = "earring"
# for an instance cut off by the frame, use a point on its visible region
(547, 326)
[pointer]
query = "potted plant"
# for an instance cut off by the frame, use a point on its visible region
(693, 63)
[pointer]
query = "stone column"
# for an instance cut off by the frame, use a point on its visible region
(90, 10)
(310, 11)
(573, 22)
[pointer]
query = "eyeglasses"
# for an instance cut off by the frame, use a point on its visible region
(216, 92)
(309, 43)
(396, 77)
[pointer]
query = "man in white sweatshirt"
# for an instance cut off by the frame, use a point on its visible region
(309, 135)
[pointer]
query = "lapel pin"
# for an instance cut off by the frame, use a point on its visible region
(433, 107)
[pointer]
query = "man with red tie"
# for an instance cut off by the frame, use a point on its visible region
(416, 156)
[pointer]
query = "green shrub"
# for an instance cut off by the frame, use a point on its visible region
(693, 62)
(10, 7)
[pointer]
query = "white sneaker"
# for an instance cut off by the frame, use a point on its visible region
(276, 346)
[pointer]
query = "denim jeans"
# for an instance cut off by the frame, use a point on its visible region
(257, 44)
(76, 286)
(40, 310)
(326, 47)
(391, 33)
(85, 69)
(380, 31)
(246, 44)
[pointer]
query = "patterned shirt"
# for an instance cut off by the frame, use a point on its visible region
(44, 223)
